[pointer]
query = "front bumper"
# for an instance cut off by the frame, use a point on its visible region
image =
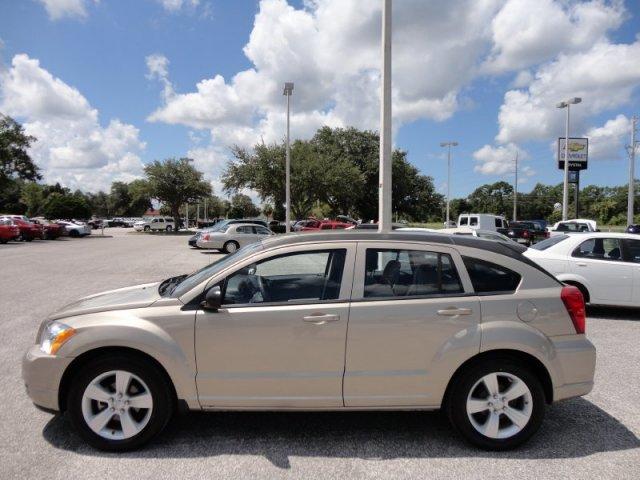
(576, 360)
(42, 374)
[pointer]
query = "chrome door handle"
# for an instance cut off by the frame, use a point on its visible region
(452, 311)
(581, 264)
(321, 318)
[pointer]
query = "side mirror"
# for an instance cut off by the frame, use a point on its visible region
(212, 299)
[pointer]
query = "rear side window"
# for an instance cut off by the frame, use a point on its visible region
(498, 223)
(409, 273)
(549, 242)
(487, 277)
(473, 221)
(464, 221)
(633, 250)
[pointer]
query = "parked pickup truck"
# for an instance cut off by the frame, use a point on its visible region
(577, 225)
(526, 233)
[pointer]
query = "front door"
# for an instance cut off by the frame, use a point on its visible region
(413, 316)
(279, 339)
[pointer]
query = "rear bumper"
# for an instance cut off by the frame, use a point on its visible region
(42, 374)
(576, 361)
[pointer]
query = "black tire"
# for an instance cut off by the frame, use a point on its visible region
(455, 404)
(3, 241)
(160, 389)
(169, 228)
(227, 249)
(28, 239)
(74, 234)
(147, 228)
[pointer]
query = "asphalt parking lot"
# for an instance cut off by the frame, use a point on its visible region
(592, 437)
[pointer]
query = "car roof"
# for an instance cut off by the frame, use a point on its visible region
(513, 251)
(601, 235)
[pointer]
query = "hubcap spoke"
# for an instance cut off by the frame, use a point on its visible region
(518, 418)
(122, 381)
(490, 428)
(129, 425)
(98, 422)
(141, 401)
(491, 382)
(516, 390)
(96, 392)
(477, 406)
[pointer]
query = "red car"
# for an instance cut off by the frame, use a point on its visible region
(51, 230)
(317, 225)
(28, 230)
(8, 230)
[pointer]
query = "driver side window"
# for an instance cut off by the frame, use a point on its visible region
(299, 276)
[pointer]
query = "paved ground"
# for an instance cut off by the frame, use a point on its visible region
(593, 437)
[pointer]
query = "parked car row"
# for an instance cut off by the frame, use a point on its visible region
(22, 228)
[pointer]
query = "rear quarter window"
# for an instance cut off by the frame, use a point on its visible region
(489, 278)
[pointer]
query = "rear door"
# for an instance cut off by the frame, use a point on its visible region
(632, 257)
(413, 316)
(599, 260)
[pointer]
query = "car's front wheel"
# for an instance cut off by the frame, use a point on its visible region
(169, 228)
(119, 403)
(497, 405)
(231, 247)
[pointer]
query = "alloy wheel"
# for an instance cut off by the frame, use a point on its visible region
(117, 405)
(499, 405)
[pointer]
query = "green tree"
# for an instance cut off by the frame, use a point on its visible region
(176, 182)
(139, 197)
(32, 196)
(66, 206)
(15, 161)
(243, 207)
(120, 198)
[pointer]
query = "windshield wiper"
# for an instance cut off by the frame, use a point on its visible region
(167, 286)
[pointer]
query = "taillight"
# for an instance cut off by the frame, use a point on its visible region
(547, 234)
(574, 303)
(525, 234)
(205, 236)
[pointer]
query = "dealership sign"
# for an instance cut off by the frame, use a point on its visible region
(578, 153)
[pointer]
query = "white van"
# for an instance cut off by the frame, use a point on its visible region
(482, 221)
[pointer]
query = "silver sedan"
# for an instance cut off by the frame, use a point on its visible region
(233, 237)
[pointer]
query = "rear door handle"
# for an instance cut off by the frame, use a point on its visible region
(321, 318)
(581, 264)
(453, 311)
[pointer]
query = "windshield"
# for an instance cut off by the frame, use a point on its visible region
(187, 283)
(549, 242)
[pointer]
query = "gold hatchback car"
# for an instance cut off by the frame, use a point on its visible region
(331, 321)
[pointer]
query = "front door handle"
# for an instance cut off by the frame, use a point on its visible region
(453, 311)
(321, 318)
(581, 264)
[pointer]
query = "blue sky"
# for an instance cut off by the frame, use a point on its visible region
(78, 74)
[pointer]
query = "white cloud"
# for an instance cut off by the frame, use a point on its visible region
(527, 32)
(501, 160)
(608, 141)
(72, 147)
(605, 77)
(57, 9)
(330, 49)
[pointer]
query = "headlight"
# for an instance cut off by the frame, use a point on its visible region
(54, 335)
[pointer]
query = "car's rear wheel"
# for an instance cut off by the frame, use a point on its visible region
(74, 233)
(119, 403)
(231, 247)
(497, 405)
(147, 228)
(169, 228)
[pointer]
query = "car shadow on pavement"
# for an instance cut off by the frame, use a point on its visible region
(613, 313)
(574, 428)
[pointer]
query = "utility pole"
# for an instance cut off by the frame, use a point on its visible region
(515, 191)
(448, 145)
(565, 192)
(384, 187)
(632, 167)
(288, 91)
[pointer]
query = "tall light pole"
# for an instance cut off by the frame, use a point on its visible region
(448, 145)
(384, 186)
(515, 190)
(632, 167)
(565, 192)
(288, 91)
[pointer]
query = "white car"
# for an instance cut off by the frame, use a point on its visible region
(165, 224)
(486, 234)
(604, 266)
(573, 226)
(233, 237)
(74, 229)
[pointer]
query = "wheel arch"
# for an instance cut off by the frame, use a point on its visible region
(523, 358)
(76, 365)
